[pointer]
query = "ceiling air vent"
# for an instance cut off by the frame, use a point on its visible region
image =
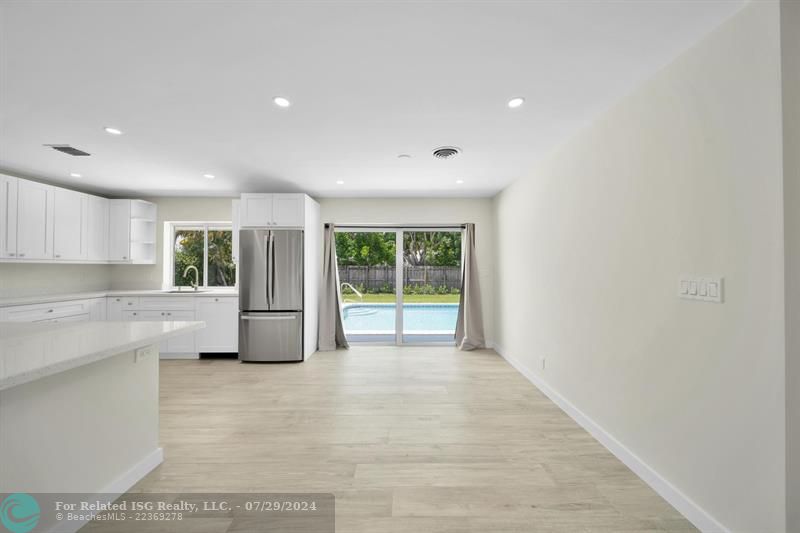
(446, 152)
(67, 149)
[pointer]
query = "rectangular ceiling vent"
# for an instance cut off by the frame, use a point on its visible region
(67, 149)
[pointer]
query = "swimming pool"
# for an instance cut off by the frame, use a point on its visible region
(369, 319)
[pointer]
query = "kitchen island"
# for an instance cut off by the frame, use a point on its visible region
(79, 404)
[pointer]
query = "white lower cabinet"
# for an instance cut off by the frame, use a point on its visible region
(71, 310)
(221, 315)
(219, 312)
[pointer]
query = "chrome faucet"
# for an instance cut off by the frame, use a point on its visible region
(196, 275)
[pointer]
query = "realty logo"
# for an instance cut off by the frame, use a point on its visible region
(19, 512)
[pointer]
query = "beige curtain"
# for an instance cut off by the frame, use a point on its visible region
(331, 326)
(469, 325)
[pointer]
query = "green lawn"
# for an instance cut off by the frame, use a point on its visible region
(408, 298)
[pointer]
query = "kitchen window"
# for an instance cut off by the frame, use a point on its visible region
(206, 246)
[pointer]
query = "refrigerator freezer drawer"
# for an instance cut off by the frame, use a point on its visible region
(271, 336)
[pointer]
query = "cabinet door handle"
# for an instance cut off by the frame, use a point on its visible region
(58, 255)
(49, 310)
(216, 299)
(162, 314)
(22, 255)
(124, 256)
(11, 255)
(130, 303)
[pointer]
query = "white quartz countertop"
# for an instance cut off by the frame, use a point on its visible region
(48, 298)
(30, 350)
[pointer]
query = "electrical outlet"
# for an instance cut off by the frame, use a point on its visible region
(143, 352)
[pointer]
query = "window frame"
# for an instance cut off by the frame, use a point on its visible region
(170, 227)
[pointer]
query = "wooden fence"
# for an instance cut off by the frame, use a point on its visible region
(382, 278)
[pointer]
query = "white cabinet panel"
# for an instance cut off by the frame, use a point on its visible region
(8, 217)
(287, 210)
(256, 210)
(34, 220)
(221, 315)
(119, 230)
(97, 309)
(98, 229)
(182, 343)
(70, 215)
(235, 225)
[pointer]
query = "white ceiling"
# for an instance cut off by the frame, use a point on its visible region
(191, 86)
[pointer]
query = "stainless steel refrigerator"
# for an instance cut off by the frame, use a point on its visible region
(270, 295)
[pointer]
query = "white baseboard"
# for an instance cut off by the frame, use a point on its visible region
(688, 508)
(133, 475)
(116, 488)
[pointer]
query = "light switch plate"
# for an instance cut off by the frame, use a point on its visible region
(704, 289)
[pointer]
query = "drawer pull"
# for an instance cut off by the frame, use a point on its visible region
(49, 310)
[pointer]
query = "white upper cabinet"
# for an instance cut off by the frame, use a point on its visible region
(256, 210)
(272, 210)
(287, 210)
(34, 220)
(119, 230)
(8, 217)
(71, 225)
(41, 223)
(132, 231)
(98, 228)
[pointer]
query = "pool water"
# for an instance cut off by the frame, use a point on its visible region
(417, 318)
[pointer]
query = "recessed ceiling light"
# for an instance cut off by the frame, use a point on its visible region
(339, 182)
(280, 101)
(113, 131)
(459, 181)
(516, 102)
(404, 156)
(209, 176)
(74, 174)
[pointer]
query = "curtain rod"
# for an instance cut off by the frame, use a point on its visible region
(397, 226)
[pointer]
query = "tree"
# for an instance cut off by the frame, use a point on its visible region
(435, 248)
(365, 248)
(189, 245)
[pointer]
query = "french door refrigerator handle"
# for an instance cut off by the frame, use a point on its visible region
(272, 265)
(267, 258)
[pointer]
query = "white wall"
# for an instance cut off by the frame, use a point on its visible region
(427, 211)
(169, 209)
(682, 177)
(31, 279)
(790, 55)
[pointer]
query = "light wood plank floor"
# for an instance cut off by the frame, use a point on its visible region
(413, 439)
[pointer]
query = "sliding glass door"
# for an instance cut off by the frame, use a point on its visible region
(426, 285)
(431, 285)
(367, 276)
